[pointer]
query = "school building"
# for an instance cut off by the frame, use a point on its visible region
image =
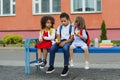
(23, 16)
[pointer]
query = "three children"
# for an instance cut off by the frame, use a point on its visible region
(66, 34)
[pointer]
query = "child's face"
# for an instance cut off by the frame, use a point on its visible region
(64, 21)
(48, 24)
(76, 23)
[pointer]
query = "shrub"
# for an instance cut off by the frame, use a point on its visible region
(1, 42)
(116, 42)
(103, 35)
(12, 39)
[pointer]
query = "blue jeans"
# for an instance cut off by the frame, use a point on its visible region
(53, 50)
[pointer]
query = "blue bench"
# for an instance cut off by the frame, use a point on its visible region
(28, 50)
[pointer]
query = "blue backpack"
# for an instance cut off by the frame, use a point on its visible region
(70, 29)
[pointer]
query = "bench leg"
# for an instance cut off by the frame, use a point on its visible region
(28, 62)
(25, 58)
(37, 67)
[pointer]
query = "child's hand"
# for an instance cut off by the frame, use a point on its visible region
(77, 33)
(41, 40)
(62, 43)
(57, 41)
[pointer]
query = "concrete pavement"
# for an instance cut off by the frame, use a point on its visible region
(102, 67)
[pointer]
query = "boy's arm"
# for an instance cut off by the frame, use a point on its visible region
(69, 40)
(71, 36)
(57, 38)
(58, 35)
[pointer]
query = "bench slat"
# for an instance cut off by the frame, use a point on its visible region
(91, 50)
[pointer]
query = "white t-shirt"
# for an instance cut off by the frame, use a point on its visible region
(65, 32)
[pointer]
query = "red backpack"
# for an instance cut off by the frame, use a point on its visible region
(87, 41)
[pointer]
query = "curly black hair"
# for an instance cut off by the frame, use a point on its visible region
(44, 19)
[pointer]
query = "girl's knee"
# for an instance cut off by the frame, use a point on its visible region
(85, 49)
(71, 47)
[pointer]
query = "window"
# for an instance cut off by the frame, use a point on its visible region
(46, 6)
(7, 7)
(85, 6)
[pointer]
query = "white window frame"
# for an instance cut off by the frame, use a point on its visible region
(83, 2)
(11, 8)
(39, 2)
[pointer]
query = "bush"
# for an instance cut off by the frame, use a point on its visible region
(12, 39)
(116, 42)
(103, 35)
(1, 42)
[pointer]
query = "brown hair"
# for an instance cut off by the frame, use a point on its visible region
(80, 22)
(65, 15)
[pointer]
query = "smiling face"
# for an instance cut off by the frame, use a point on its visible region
(64, 21)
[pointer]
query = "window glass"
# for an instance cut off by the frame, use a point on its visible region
(36, 8)
(56, 6)
(13, 0)
(77, 5)
(45, 6)
(89, 5)
(98, 5)
(6, 6)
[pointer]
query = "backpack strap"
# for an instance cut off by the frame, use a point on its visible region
(60, 29)
(70, 29)
(82, 34)
(81, 31)
(87, 41)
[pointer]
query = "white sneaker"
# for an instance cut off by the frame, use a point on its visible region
(87, 65)
(71, 63)
(37, 64)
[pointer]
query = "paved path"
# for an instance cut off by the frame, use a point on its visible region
(103, 67)
(17, 73)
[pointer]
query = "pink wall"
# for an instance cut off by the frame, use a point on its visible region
(111, 34)
(25, 21)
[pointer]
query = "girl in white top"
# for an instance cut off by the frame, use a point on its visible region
(79, 40)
